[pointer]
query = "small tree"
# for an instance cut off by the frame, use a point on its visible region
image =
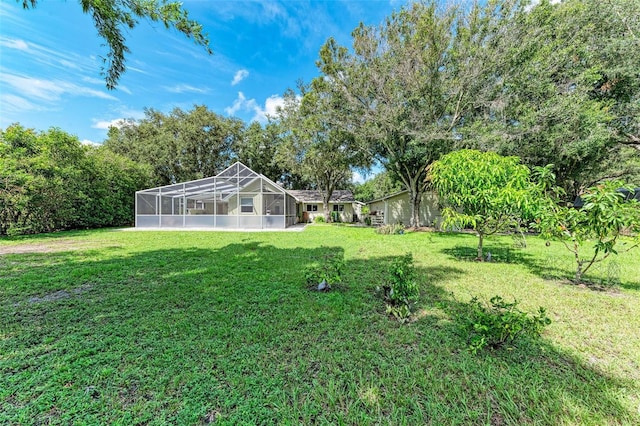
(483, 190)
(603, 217)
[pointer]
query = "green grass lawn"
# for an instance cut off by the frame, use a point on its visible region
(110, 327)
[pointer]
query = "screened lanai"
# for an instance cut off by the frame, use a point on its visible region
(237, 198)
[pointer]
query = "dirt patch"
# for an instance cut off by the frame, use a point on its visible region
(59, 295)
(43, 247)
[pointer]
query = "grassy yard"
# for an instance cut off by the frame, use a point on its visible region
(110, 327)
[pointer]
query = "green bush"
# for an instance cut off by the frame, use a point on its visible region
(499, 323)
(328, 269)
(335, 217)
(391, 229)
(319, 219)
(367, 221)
(402, 288)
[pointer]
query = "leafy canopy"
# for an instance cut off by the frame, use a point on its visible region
(483, 190)
(605, 215)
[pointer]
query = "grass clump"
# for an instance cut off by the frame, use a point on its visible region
(391, 229)
(499, 323)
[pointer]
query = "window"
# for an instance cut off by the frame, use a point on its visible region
(246, 205)
(338, 207)
(312, 207)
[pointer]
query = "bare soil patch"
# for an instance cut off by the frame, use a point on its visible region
(43, 247)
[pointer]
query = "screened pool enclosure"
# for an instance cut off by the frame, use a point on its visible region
(237, 198)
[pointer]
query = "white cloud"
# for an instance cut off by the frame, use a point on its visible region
(49, 57)
(14, 43)
(49, 90)
(186, 88)
(239, 76)
(134, 114)
(261, 113)
(104, 124)
(534, 3)
(239, 104)
(15, 103)
(358, 177)
(88, 142)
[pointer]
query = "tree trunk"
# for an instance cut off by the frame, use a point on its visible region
(327, 214)
(480, 241)
(414, 198)
(578, 277)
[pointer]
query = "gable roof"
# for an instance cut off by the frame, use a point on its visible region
(315, 196)
(227, 183)
(386, 197)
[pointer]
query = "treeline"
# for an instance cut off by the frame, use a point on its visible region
(50, 181)
(549, 83)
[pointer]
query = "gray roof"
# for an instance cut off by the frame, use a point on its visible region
(314, 196)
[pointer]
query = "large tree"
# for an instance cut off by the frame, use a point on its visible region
(258, 147)
(315, 148)
(181, 145)
(405, 85)
(563, 88)
(380, 185)
(113, 18)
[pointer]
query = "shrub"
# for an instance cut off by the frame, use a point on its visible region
(499, 323)
(329, 270)
(335, 217)
(402, 287)
(319, 219)
(391, 229)
(367, 221)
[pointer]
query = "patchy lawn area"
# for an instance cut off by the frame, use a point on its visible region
(109, 327)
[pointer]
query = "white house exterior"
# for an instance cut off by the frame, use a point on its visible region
(310, 204)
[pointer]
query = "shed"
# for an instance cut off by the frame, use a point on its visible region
(396, 208)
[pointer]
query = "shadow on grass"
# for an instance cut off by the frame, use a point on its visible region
(233, 335)
(602, 277)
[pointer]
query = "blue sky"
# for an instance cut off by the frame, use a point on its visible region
(50, 60)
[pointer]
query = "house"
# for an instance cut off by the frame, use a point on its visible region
(310, 204)
(236, 198)
(396, 208)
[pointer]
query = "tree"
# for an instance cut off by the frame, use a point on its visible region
(179, 146)
(605, 215)
(382, 184)
(113, 17)
(315, 148)
(406, 85)
(258, 150)
(563, 89)
(483, 190)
